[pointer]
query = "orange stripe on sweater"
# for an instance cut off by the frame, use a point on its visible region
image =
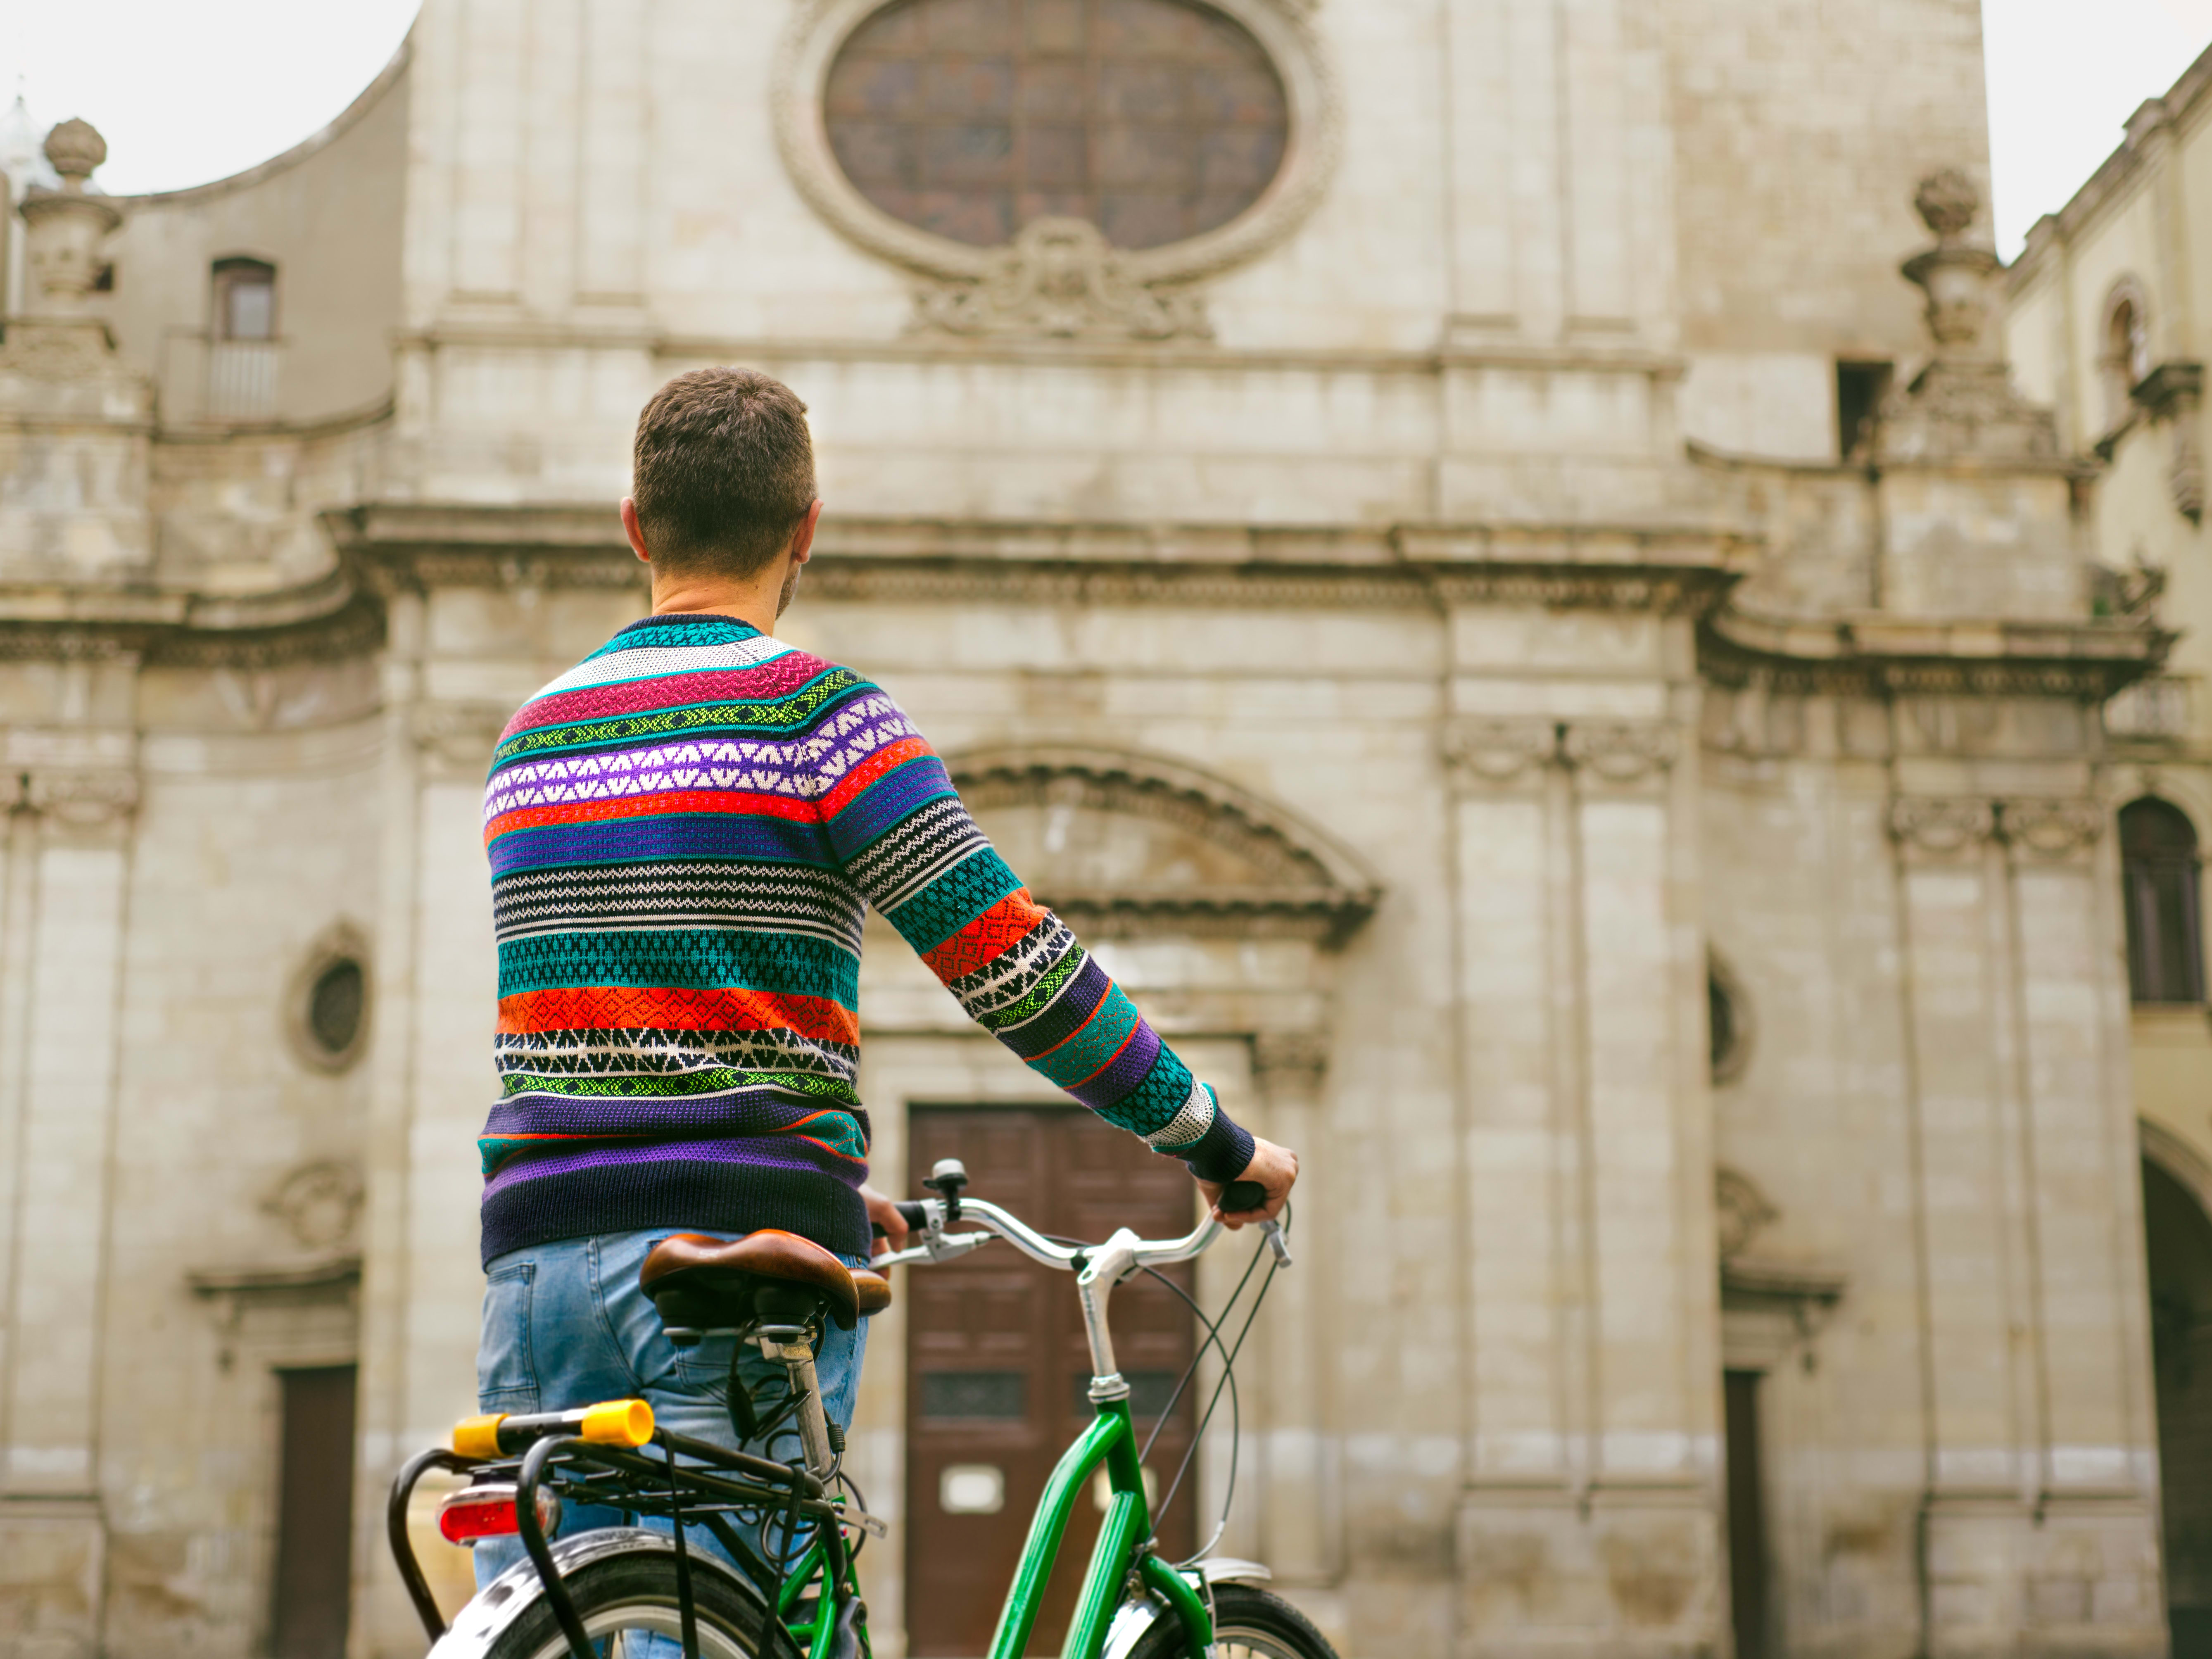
(633, 806)
(869, 770)
(987, 938)
(630, 1007)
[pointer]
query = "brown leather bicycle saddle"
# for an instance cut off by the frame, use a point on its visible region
(704, 1283)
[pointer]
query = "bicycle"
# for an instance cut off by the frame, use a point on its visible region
(785, 1585)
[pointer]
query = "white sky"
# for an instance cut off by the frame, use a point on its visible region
(190, 90)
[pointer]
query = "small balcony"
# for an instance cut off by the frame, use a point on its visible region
(2157, 707)
(221, 382)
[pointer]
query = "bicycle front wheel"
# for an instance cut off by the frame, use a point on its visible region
(1247, 1624)
(629, 1608)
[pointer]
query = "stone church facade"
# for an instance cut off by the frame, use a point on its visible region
(1486, 549)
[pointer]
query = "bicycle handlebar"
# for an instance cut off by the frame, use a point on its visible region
(938, 1245)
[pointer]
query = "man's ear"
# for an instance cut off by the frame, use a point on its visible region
(802, 544)
(631, 529)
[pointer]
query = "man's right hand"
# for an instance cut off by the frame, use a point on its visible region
(1276, 1169)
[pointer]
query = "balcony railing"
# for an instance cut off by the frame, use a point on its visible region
(242, 378)
(2155, 707)
(228, 381)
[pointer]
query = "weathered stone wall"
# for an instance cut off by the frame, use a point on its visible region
(1381, 535)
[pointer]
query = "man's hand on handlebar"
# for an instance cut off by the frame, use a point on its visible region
(884, 1214)
(1274, 1170)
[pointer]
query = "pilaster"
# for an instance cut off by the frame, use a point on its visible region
(2038, 1521)
(1593, 1344)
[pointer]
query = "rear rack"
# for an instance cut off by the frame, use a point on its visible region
(706, 1490)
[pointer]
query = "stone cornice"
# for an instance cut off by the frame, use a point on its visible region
(330, 616)
(883, 560)
(1177, 354)
(2181, 105)
(1877, 656)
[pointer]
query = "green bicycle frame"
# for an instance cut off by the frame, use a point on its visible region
(1111, 1440)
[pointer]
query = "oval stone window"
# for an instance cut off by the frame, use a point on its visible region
(1156, 121)
(334, 1006)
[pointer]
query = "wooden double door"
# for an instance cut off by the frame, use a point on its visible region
(998, 1367)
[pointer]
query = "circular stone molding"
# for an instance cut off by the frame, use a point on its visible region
(326, 1005)
(819, 29)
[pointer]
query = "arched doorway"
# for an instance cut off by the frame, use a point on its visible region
(2178, 1235)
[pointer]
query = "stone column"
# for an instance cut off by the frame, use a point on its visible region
(60, 990)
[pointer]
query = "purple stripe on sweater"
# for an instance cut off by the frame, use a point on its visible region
(1068, 1013)
(768, 1153)
(1127, 1070)
(659, 835)
(891, 799)
(800, 768)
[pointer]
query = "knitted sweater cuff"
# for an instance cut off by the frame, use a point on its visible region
(1221, 1154)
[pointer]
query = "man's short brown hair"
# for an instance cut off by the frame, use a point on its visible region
(723, 471)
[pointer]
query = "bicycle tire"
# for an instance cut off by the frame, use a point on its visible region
(1249, 1623)
(635, 1591)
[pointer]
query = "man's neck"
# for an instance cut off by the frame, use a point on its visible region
(753, 602)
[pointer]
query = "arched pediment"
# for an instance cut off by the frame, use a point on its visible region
(1122, 844)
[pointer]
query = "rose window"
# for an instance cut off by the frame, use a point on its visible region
(1155, 120)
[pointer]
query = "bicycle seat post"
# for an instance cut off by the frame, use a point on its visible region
(792, 1346)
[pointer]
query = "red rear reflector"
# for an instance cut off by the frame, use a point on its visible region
(488, 1512)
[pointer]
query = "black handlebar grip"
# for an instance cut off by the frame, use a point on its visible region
(1239, 1196)
(909, 1212)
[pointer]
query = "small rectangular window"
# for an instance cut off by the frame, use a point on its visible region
(314, 1515)
(976, 1397)
(245, 299)
(1860, 388)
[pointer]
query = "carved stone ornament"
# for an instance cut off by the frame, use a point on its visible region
(1963, 402)
(2052, 829)
(2172, 394)
(1941, 824)
(1497, 752)
(1740, 1210)
(992, 290)
(84, 800)
(1621, 752)
(319, 1204)
(1060, 277)
(1125, 845)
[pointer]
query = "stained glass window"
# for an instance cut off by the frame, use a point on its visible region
(1157, 120)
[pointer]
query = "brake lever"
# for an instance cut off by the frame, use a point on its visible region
(1281, 1245)
(934, 1247)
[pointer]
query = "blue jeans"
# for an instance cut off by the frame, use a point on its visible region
(565, 1325)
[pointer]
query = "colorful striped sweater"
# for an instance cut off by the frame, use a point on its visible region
(684, 829)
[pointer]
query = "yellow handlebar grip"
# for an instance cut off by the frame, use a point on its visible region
(617, 1423)
(478, 1437)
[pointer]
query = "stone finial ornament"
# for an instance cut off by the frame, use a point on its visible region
(75, 148)
(1962, 403)
(1955, 273)
(1947, 202)
(63, 232)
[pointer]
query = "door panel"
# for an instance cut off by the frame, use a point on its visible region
(998, 1367)
(314, 1515)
